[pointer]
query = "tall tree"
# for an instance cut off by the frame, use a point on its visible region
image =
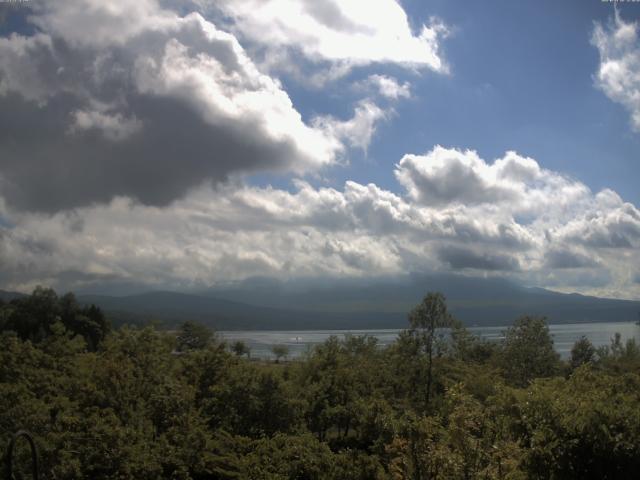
(280, 351)
(582, 352)
(240, 348)
(528, 351)
(425, 319)
(193, 336)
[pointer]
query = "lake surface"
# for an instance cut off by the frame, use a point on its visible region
(301, 341)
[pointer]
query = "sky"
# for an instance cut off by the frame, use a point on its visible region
(183, 144)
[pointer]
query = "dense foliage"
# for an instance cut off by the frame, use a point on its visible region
(138, 403)
(41, 314)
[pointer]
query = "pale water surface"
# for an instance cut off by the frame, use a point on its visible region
(301, 341)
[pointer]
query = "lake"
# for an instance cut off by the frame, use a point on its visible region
(301, 341)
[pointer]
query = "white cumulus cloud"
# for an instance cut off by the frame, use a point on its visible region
(358, 130)
(351, 31)
(390, 87)
(618, 74)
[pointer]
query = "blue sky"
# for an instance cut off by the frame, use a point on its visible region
(521, 79)
(182, 144)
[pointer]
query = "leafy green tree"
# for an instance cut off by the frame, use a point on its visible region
(290, 457)
(240, 348)
(620, 356)
(328, 383)
(280, 351)
(203, 369)
(469, 347)
(33, 317)
(251, 401)
(527, 351)
(415, 453)
(407, 367)
(425, 320)
(193, 336)
(587, 426)
(582, 352)
(88, 321)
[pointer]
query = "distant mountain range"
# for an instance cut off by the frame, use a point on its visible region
(8, 296)
(267, 304)
(386, 302)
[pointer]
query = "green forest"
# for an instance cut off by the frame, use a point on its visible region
(439, 403)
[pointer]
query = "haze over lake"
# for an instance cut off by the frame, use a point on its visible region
(300, 341)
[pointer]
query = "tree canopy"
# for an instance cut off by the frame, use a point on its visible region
(34, 317)
(130, 408)
(193, 336)
(528, 351)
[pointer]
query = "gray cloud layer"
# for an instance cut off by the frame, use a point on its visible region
(236, 232)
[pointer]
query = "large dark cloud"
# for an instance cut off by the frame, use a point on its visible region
(462, 258)
(45, 168)
(167, 105)
(565, 258)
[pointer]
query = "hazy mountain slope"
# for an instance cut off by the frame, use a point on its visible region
(170, 308)
(473, 300)
(268, 304)
(8, 296)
